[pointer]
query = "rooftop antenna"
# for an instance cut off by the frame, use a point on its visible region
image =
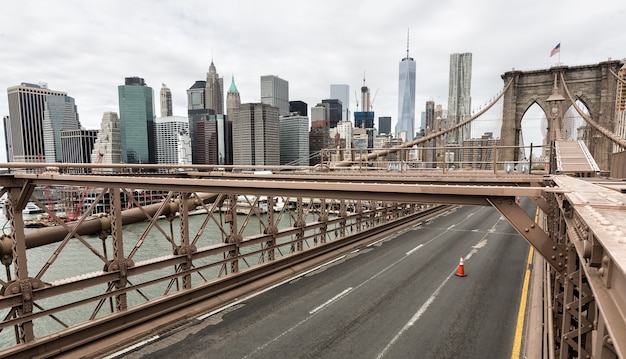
(407, 43)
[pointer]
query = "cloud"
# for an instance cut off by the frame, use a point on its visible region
(87, 48)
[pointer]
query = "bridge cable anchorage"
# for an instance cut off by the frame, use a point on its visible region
(425, 139)
(460, 272)
(615, 138)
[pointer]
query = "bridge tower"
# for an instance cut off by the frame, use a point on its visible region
(594, 85)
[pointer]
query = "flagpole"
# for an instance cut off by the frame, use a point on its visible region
(559, 63)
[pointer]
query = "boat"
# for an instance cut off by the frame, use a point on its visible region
(32, 208)
(39, 222)
(251, 204)
(279, 204)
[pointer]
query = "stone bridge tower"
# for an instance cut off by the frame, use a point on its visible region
(594, 85)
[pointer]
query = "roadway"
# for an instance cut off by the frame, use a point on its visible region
(398, 298)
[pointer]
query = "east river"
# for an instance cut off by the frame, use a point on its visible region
(60, 261)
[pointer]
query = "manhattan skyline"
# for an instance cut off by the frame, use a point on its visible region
(86, 50)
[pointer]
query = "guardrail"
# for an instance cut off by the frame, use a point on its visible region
(76, 284)
(581, 237)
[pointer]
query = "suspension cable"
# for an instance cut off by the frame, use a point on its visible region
(618, 77)
(618, 140)
(410, 144)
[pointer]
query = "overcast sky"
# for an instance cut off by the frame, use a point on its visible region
(87, 48)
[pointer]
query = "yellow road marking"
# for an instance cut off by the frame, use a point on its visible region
(521, 314)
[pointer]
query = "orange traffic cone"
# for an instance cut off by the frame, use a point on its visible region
(461, 270)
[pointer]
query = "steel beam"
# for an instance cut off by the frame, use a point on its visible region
(593, 219)
(554, 253)
(401, 193)
(583, 239)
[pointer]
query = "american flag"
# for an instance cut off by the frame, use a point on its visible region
(556, 49)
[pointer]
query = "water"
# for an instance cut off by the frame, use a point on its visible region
(75, 258)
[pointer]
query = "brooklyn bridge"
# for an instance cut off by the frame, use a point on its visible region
(378, 253)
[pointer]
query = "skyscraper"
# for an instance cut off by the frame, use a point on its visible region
(341, 92)
(275, 92)
(36, 117)
(335, 111)
(300, 107)
(256, 135)
(108, 145)
(233, 99)
(365, 117)
(428, 156)
(59, 114)
(137, 121)
(429, 117)
(319, 136)
(77, 146)
(384, 124)
(214, 91)
(196, 96)
(459, 95)
(214, 140)
(406, 96)
(167, 130)
(344, 130)
(166, 101)
(320, 115)
(196, 112)
(294, 140)
(365, 97)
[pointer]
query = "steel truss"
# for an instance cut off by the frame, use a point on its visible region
(580, 237)
(589, 293)
(56, 305)
(123, 292)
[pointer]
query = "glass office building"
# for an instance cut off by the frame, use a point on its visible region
(36, 117)
(137, 121)
(406, 97)
(459, 96)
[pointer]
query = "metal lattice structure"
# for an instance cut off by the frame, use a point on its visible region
(249, 232)
(579, 235)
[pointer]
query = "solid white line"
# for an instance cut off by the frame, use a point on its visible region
(414, 249)
(481, 244)
(132, 347)
(415, 317)
(204, 316)
(311, 315)
(260, 348)
(326, 303)
(378, 241)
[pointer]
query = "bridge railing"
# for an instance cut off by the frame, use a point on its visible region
(77, 280)
(489, 157)
(582, 238)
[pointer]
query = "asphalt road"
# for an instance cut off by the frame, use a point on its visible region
(399, 298)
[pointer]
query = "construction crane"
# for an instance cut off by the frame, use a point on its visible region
(78, 210)
(47, 190)
(373, 99)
